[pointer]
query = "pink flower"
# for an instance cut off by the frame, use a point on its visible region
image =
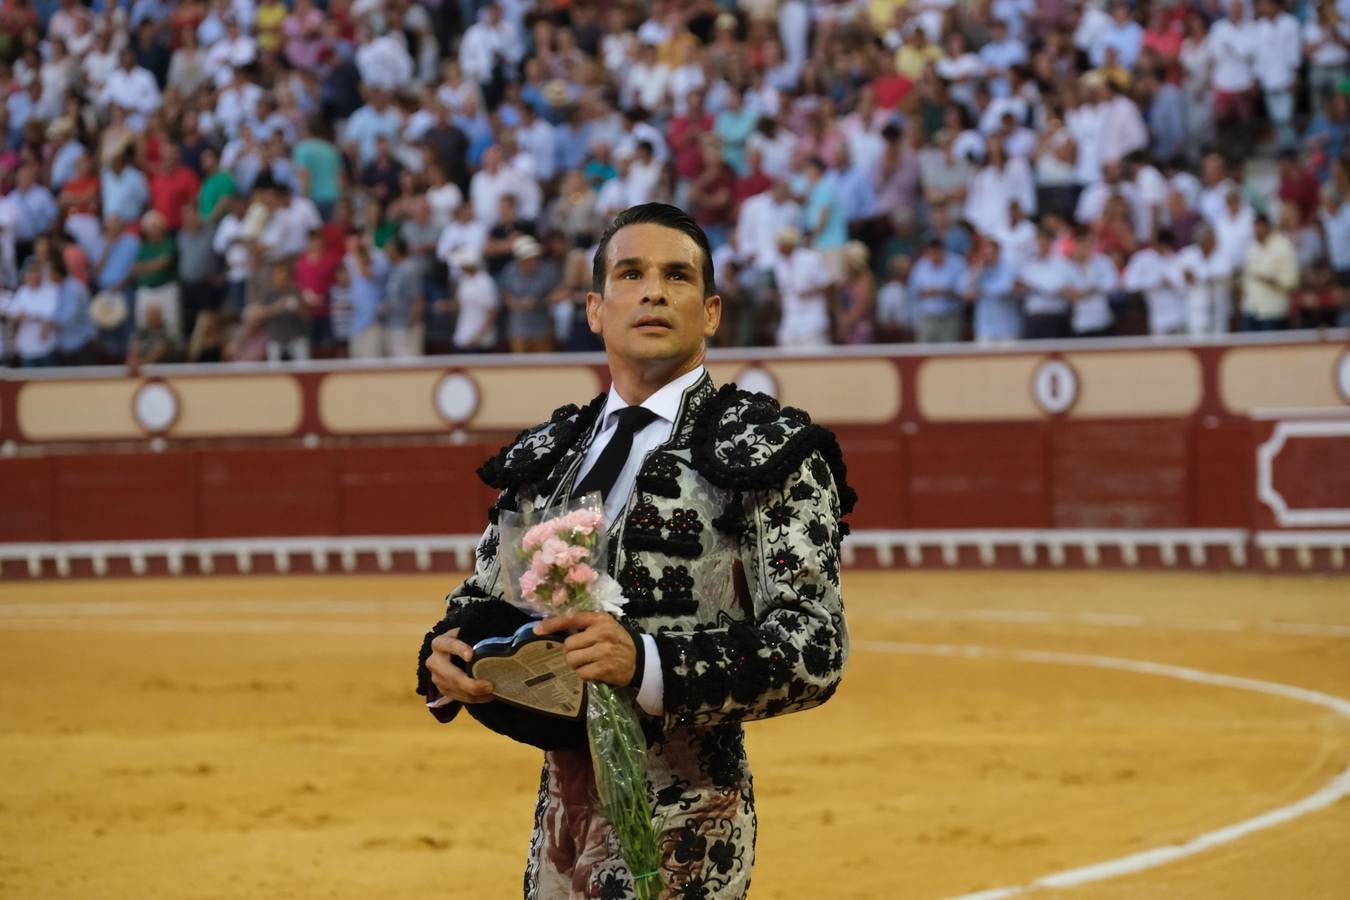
(582, 521)
(536, 536)
(529, 583)
(581, 574)
(559, 597)
(554, 552)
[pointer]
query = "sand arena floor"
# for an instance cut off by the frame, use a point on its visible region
(258, 738)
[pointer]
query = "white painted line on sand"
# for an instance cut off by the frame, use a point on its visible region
(1323, 797)
(1109, 620)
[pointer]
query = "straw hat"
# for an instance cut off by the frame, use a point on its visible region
(108, 309)
(526, 247)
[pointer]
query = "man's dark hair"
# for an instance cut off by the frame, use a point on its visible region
(662, 214)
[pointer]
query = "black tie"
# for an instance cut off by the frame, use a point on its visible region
(611, 461)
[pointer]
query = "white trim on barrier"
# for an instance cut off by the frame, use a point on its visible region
(885, 544)
(1055, 540)
(1303, 543)
(1265, 474)
(244, 550)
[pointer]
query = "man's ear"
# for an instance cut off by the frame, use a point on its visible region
(712, 314)
(593, 301)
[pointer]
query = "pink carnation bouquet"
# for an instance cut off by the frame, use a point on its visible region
(554, 562)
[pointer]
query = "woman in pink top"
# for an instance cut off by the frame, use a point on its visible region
(315, 272)
(1163, 36)
(303, 31)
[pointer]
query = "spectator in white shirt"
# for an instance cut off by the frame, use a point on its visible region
(487, 44)
(758, 224)
(1326, 41)
(803, 280)
(1206, 276)
(1215, 186)
(1002, 181)
(33, 310)
(644, 83)
(1122, 128)
(383, 60)
(1017, 240)
(476, 303)
(1334, 216)
(234, 51)
(1155, 272)
(1234, 229)
(489, 183)
(1277, 63)
(100, 62)
(1092, 201)
(132, 88)
(1233, 48)
(464, 231)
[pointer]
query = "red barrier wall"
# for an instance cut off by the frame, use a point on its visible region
(932, 442)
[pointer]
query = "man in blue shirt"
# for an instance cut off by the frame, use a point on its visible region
(36, 208)
(989, 284)
(377, 118)
(63, 162)
(1125, 36)
(124, 188)
(76, 330)
(1043, 280)
(824, 212)
(120, 246)
(935, 293)
(367, 270)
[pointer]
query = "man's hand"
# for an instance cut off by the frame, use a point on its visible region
(601, 649)
(450, 679)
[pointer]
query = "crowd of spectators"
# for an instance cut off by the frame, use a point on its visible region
(232, 179)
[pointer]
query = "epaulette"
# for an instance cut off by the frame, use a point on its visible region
(531, 456)
(746, 441)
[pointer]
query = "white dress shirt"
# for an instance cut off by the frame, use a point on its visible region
(666, 404)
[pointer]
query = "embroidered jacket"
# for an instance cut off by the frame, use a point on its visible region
(728, 554)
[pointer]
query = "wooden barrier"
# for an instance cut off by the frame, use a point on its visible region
(1127, 452)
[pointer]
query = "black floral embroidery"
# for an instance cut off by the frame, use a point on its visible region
(674, 794)
(721, 754)
(802, 491)
(818, 533)
(785, 562)
(612, 886)
(723, 855)
(487, 548)
(682, 533)
(694, 889)
(731, 520)
(739, 454)
(689, 845)
(643, 530)
(660, 476)
(534, 452)
(779, 515)
(677, 596)
(746, 441)
(638, 584)
(647, 530)
(675, 583)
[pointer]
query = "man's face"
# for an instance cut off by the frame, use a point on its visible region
(653, 310)
(1262, 230)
